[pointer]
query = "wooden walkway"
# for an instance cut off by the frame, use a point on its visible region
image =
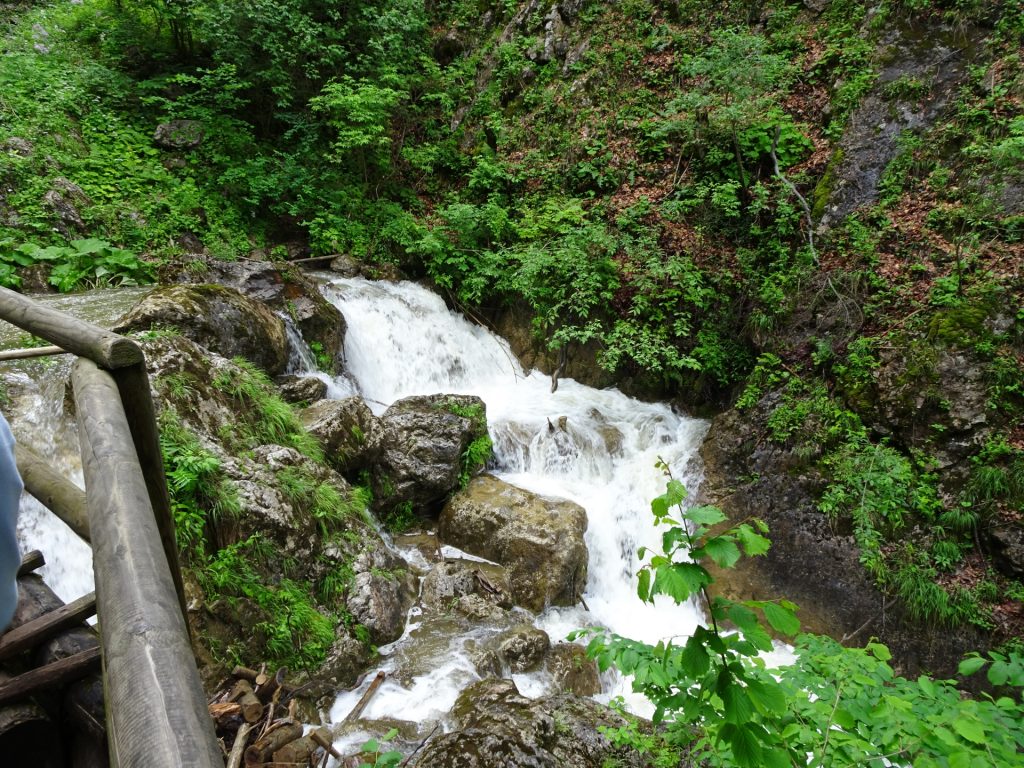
(156, 711)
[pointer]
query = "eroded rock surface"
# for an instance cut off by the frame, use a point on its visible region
(538, 539)
(348, 431)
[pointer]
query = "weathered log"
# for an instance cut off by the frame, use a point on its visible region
(244, 673)
(357, 710)
(225, 712)
(251, 706)
(31, 561)
(28, 736)
(137, 402)
(23, 354)
(268, 685)
(297, 751)
(322, 736)
(156, 709)
(53, 675)
(264, 748)
(70, 334)
(81, 703)
(43, 628)
(238, 748)
(54, 491)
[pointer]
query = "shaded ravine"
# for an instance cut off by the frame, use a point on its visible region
(595, 447)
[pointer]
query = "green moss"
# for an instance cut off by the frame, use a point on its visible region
(823, 189)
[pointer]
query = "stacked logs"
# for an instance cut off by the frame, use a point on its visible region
(255, 717)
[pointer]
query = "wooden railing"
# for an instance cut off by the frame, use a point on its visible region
(155, 707)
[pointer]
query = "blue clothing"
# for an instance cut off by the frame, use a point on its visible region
(10, 498)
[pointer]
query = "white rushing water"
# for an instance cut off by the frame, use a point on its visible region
(595, 447)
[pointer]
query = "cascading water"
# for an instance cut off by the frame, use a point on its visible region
(595, 447)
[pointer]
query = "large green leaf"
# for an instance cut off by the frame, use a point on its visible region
(722, 550)
(782, 619)
(679, 580)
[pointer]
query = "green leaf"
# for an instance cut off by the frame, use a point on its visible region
(643, 588)
(782, 619)
(675, 493)
(694, 659)
(745, 746)
(926, 685)
(679, 580)
(736, 702)
(767, 697)
(705, 515)
(970, 729)
(879, 651)
(753, 544)
(971, 664)
(723, 551)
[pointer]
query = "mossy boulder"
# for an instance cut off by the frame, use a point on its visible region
(348, 431)
(216, 317)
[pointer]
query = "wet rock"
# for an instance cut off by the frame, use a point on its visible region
(1007, 542)
(538, 539)
(216, 317)
(572, 671)
(348, 431)
(282, 288)
(422, 442)
(451, 580)
(380, 597)
(935, 56)
(179, 134)
(347, 659)
(496, 727)
(65, 199)
(346, 266)
(522, 648)
(301, 389)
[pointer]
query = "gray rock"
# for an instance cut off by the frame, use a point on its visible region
(522, 648)
(65, 199)
(538, 539)
(422, 442)
(283, 289)
(383, 591)
(301, 389)
(348, 431)
(17, 146)
(572, 671)
(1007, 542)
(346, 266)
(447, 582)
(497, 727)
(179, 134)
(216, 317)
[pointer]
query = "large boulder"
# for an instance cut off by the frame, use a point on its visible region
(423, 440)
(539, 539)
(381, 594)
(215, 317)
(348, 431)
(496, 727)
(284, 289)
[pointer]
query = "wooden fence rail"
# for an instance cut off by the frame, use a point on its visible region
(155, 706)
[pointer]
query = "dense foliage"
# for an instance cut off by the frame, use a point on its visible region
(833, 706)
(647, 179)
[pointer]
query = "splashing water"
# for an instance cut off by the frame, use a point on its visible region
(595, 447)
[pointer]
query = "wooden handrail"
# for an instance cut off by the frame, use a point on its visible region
(156, 708)
(54, 491)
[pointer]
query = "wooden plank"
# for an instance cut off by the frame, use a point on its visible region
(46, 626)
(54, 491)
(78, 337)
(28, 352)
(133, 386)
(156, 710)
(54, 675)
(31, 561)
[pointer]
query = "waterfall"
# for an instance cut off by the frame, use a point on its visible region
(595, 447)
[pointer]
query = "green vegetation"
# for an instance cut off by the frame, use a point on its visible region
(833, 706)
(475, 457)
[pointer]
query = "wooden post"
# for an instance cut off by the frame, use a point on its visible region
(137, 400)
(33, 633)
(54, 491)
(78, 337)
(156, 710)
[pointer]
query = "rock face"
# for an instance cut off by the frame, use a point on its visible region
(66, 199)
(179, 134)
(301, 389)
(381, 594)
(496, 727)
(538, 539)
(218, 318)
(348, 431)
(282, 289)
(810, 562)
(422, 441)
